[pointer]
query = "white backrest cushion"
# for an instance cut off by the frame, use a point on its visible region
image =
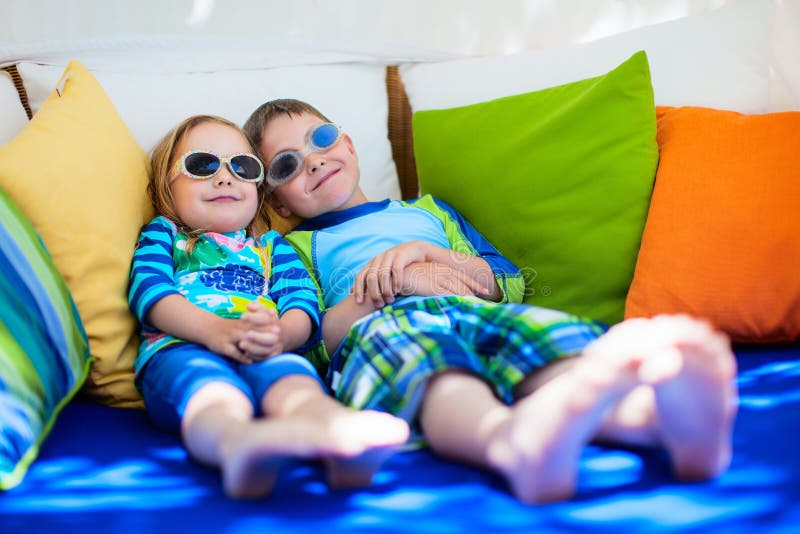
(720, 59)
(786, 50)
(150, 103)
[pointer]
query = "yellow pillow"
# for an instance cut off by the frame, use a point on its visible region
(80, 176)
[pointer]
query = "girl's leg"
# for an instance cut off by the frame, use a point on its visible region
(215, 412)
(353, 444)
(204, 396)
(216, 427)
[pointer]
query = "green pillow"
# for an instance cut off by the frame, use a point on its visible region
(559, 180)
(44, 352)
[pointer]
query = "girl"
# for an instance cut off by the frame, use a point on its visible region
(220, 304)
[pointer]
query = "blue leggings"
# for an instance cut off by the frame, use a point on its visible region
(175, 374)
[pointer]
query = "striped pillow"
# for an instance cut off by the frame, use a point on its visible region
(44, 352)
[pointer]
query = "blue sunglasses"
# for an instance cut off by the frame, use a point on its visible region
(286, 165)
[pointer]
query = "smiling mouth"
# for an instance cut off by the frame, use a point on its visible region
(223, 198)
(325, 179)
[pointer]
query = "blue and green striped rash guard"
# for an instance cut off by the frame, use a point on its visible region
(335, 246)
(222, 275)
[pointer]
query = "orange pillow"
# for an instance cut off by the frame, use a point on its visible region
(722, 238)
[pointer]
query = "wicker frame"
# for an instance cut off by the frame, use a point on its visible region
(400, 133)
(399, 126)
(23, 96)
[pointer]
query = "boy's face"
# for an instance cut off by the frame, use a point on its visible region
(327, 181)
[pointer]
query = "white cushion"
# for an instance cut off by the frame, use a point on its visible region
(13, 114)
(150, 103)
(720, 59)
(205, 51)
(786, 46)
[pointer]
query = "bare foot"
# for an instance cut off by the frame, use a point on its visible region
(696, 399)
(360, 441)
(537, 450)
(352, 444)
(250, 458)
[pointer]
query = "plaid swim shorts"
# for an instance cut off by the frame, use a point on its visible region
(387, 357)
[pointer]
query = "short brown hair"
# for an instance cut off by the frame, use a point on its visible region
(261, 117)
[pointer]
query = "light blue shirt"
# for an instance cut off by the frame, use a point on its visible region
(349, 245)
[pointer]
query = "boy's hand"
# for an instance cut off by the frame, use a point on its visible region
(263, 337)
(433, 279)
(381, 279)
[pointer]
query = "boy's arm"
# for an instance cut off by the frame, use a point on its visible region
(438, 271)
(336, 321)
(468, 239)
(474, 260)
(428, 278)
(434, 279)
(473, 267)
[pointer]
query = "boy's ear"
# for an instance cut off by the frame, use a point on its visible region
(349, 142)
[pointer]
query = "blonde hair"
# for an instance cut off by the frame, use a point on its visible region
(159, 188)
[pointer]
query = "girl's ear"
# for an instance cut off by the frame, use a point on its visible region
(278, 206)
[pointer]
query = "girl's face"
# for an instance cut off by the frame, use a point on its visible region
(222, 203)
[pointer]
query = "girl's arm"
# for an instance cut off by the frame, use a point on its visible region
(269, 335)
(294, 293)
(175, 315)
(295, 327)
(157, 304)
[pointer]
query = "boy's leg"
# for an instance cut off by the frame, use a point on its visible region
(460, 415)
(687, 403)
(536, 443)
(421, 360)
(689, 400)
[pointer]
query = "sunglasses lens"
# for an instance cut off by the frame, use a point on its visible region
(201, 164)
(246, 167)
(284, 167)
(324, 136)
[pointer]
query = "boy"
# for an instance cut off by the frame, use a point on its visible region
(494, 384)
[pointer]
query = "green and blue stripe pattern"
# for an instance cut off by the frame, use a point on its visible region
(44, 351)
